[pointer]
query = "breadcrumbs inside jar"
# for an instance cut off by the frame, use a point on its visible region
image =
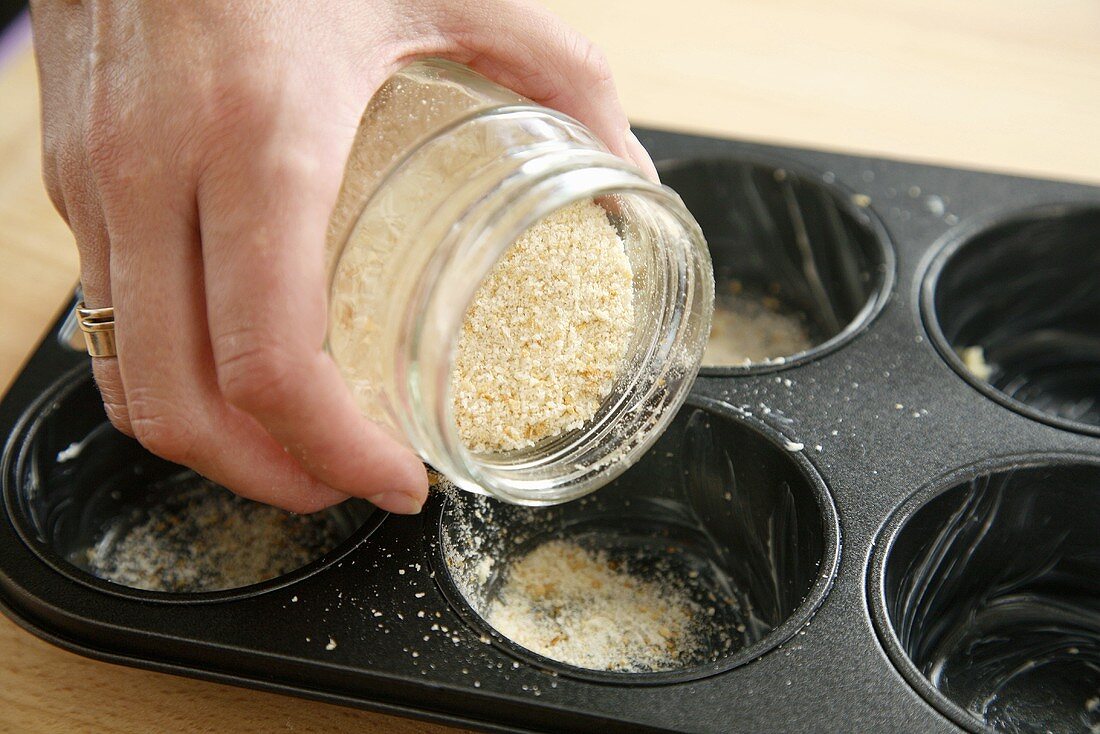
(546, 335)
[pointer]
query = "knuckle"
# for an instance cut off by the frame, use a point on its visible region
(594, 61)
(100, 141)
(51, 163)
(165, 431)
(54, 190)
(236, 110)
(63, 174)
(252, 373)
(113, 396)
(119, 416)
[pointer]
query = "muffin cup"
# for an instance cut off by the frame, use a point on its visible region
(1025, 292)
(81, 487)
(986, 592)
(720, 504)
(813, 256)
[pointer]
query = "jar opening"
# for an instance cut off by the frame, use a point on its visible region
(672, 297)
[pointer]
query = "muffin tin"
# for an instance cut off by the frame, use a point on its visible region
(908, 546)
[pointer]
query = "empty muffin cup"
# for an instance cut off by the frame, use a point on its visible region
(103, 510)
(717, 546)
(798, 266)
(987, 596)
(1015, 308)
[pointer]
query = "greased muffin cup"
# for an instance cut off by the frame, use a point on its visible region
(107, 513)
(720, 519)
(988, 593)
(1014, 306)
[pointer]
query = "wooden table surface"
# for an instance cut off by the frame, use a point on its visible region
(1008, 85)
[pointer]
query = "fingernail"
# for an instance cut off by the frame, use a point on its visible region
(641, 157)
(398, 503)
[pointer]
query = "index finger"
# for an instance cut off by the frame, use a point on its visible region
(263, 216)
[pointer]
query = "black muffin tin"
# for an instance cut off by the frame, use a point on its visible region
(891, 517)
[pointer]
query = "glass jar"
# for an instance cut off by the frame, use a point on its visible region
(447, 170)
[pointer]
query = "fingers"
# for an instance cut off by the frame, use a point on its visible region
(264, 213)
(173, 403)
(526, 48)
(86, 221)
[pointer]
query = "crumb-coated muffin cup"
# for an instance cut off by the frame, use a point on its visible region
(99, 508)
(720, 517)
(986, 593)
(800, 266)
(1014, 307)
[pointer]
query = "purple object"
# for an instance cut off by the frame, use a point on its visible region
(15, 37)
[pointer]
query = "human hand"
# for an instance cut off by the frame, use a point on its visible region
(196, 150)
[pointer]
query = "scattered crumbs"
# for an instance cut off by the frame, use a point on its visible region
(793, 445)
(294, 598)
(202, 537)
(331, 644)
(419, 594)
(936, 206)
(627, 610)
(750, 328)
(576, 606)
(817, 447)
(861, 200)
(71, 452)
(974, 360)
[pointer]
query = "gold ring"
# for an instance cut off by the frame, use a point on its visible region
(98, 325)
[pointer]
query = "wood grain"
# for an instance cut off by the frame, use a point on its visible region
(1009, 86)
(999, 84)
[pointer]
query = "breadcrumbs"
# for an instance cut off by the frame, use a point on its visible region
(544, 340)
(748, 329)
(579, 607)
(545, 337)
(974, 359)
(205, 538)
